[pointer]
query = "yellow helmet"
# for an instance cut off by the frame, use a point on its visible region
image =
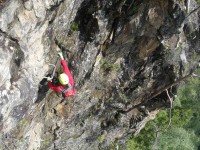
(63, 79)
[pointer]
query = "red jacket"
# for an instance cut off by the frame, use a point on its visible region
(60, 88)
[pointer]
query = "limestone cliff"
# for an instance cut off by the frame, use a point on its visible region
(123, 55)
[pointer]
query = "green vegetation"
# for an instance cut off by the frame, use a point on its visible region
(144, 140)
(23, 122)
(101, 138)
(198, 1)
(19, 129)
(46, 142)
(115, 146)
(108, 66)
(178, 138)
(73, 27)
(185, 127)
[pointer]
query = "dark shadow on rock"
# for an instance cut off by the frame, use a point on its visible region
(88, 24)
(173, 21)
(17, 59)
(42, 90)
(193, 36)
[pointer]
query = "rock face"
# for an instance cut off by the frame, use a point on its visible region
(123, 55)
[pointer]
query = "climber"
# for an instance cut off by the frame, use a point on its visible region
(65, 81)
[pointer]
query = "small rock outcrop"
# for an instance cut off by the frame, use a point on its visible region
(123, 55)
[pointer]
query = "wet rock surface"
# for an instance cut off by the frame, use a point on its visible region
(123, 55)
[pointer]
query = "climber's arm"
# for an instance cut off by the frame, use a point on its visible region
(66, 70)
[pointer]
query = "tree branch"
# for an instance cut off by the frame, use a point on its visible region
(193, 11)
(158, 92)
(155, 145)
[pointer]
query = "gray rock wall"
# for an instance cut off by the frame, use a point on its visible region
(25, 44)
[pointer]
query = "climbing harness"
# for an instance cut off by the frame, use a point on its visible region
(66, 89)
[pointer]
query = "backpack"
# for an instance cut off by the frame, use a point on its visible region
(55, 81)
